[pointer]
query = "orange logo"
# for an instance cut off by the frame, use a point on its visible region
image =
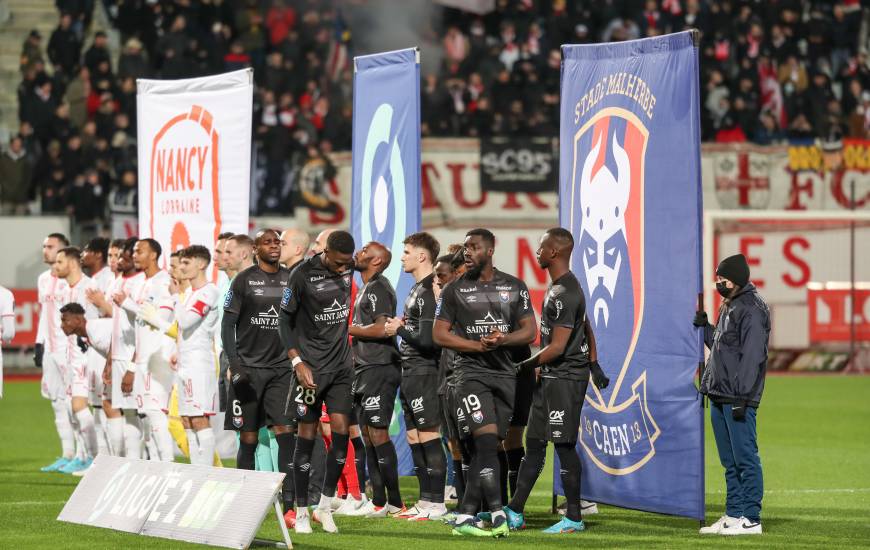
(184, 199)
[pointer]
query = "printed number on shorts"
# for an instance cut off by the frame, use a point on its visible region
(305, 396)
(237, 407)
(471, 403)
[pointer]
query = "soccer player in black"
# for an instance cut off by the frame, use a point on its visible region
(314, 329)
(482, 316)
(563, 367)
(420, 377)
(259, 370)
(376, 378)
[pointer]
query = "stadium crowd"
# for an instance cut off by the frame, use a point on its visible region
(771, 72)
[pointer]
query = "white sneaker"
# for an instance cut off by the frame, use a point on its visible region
(350, 505)
(433, 511)
(386, 511)
(364, 510)
(716, 528)
(450, 493)
(742, 527)
(588, 508)
(324, 517)
(336, 503)
(414, 510)
(303, 522)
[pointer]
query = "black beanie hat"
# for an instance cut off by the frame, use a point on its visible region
(735, 269)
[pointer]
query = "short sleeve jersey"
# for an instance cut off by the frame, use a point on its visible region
(154, 290)
(474, 308)
(318, 302)
(123, 331)
(255, 296)
(565, 306)
(198, 340)
(104, 279)
(51, 292)
(375, 299)
(419, 316)
(100, 335)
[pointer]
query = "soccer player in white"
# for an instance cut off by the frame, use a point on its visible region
(67, 266)
(50, 349)
(95, 256)
(123, 368)
(197, 317)
(7, 325)
(153, 349)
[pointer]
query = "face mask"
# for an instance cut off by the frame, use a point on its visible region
(723, 290)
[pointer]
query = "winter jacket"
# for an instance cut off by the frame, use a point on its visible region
(737, 365)
(15, 176)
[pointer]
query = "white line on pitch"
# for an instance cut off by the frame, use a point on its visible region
(31, 502)
(806, 491)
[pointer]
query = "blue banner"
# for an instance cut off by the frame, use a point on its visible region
(385, 194)
(630, 192)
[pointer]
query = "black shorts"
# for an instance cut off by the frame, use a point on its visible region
(455, 426)
(374, 395)
(333, 388)
(259, 401)
(556, 410)
(523, 397)
(421, 404)
(487, 401)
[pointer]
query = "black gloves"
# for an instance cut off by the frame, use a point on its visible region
(38, 352)
(598, 377)
(738, 411)
(701, 319)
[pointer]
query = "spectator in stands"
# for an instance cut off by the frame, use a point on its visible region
(64, 47)
(15, 177)
(31, 51)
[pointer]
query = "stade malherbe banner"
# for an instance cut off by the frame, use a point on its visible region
(630, 192)
(385, 190)
(194, 158)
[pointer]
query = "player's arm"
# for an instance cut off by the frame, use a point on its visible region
(422, 339)
(7, 319)
(598, 377)
(290, 303)
(559, 337)
(98, 299)
(445, 316)
(191, 317)
(232, 308)
(382, 309)
(374, 331)
(41, 328)
(523, 336)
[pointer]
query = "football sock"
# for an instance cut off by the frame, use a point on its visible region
(531, 467)
(436, 468)
(569, 469)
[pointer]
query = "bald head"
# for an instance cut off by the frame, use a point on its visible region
(294, 246)
(320, 242)
(372, 258)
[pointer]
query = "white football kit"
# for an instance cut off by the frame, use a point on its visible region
(104, 279)
(124, 342)
(51, 291)
(153, 347)
(77, 380)
(197, 319)
(7, 325)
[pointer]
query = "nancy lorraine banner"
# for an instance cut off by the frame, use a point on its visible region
(630, 192)
(194, 158)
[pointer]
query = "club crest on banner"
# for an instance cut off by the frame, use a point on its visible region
(618, 431)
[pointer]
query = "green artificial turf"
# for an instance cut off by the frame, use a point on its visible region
(814, 436)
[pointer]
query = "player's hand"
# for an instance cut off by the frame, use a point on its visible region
(701, 319)
(173, 361)
(150, 315)
(391, 327)
(38, 353)
(304, 376)
(598, 377)
(107, 374)
(119, 298)
(95, 297)
(174, 287)
(492, 340)
(127, 382)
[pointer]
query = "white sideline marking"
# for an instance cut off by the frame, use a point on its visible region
(31, 502)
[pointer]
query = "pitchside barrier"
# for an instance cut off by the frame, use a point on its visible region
(200, 504)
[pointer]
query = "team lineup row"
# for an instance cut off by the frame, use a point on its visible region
(278, 343)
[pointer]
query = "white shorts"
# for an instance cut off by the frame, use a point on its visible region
(96, 364)
(157, 376)
(78, 384)
(119, 400)
(54, 366)
(197, 387)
